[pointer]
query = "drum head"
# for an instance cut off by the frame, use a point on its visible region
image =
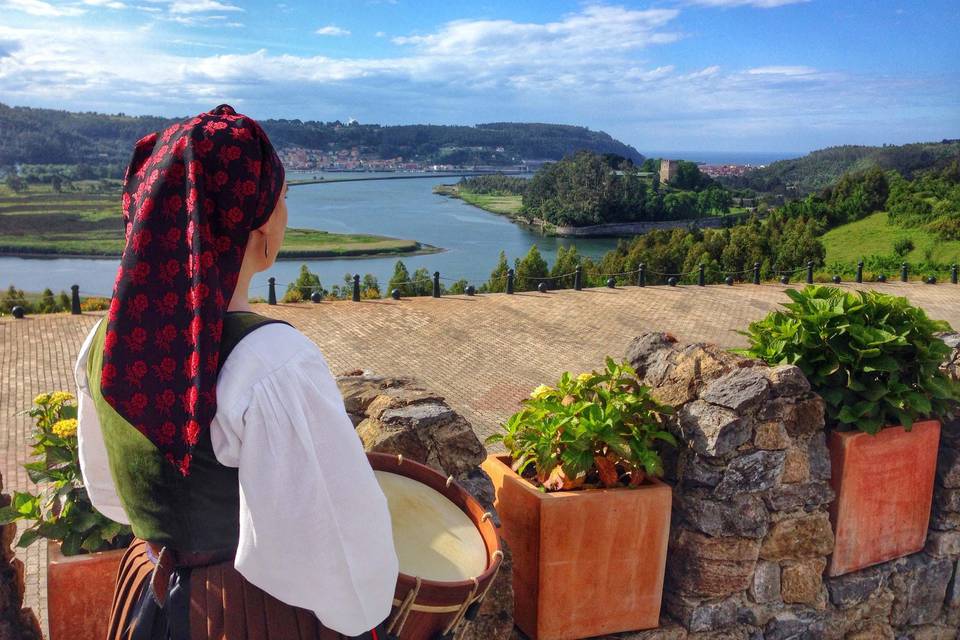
(434, 539)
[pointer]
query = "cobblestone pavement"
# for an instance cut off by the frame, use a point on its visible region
(483, 353)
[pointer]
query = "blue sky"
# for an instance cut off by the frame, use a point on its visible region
(708, 75)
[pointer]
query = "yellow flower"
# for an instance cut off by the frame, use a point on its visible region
(61, 397)
(65, 428)
(583, 377)
(541, 392)
(42, 399)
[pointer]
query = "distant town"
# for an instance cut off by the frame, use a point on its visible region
(355, 159)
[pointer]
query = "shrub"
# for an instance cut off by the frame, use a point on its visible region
(94, 304)
(873, 357)
(302, 288)
(903, 246)
(62, 510)
(598, 428)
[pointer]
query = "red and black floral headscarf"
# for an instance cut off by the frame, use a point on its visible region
(191, 196)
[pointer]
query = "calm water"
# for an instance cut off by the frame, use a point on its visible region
(398, 208)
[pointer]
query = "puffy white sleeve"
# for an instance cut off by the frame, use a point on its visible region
(92, 450)
(314, 524)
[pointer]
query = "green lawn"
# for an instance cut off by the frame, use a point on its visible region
(505, 205)
(875, 236)
(40, 222)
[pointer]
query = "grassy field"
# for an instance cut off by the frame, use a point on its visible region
(875, 236)
(503, 205)
(41, 222)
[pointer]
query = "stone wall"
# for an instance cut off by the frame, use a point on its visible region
(396, 415)
(16, 623)
(751, 535)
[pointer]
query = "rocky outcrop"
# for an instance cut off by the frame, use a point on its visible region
(396, 415)
(16, 623)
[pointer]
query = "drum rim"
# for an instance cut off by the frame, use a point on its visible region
(454, 491)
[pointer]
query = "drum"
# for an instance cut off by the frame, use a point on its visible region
(447, 545)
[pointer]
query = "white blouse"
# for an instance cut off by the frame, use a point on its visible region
(314, 524)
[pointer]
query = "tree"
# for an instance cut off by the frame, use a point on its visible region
(567, 262)
(400, 279)
(304, 286)
(531, 270)
(498, 277)
(15, 183)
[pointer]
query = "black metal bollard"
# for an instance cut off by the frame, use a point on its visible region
(436, 284)
(316, 297)
(542, 287)
(702, 276)
(672, 281)
(932, 280)
(904, 272)
(356, 287)
(470, 290)
(18, 312)
(784, 279)
(953, 274)
(882, 278)
(836, 279)
(75, 299)
(578, 278)
(272, 290)
(810, 272)
(612, 283)
(509, 280)
(729, 281)
(756, 273)
(642, 275)
(395, 294)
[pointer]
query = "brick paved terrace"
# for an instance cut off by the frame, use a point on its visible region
(482, 353)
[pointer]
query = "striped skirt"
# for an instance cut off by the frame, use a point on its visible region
(212, 602)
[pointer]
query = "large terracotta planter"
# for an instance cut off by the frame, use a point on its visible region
(80, 593)
(585, 563)
(884, 487)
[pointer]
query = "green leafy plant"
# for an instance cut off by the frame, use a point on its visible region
(873, 357)
(62, 509)
(597, 429)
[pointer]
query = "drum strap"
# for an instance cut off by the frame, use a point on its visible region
(396, 625)
(457, 619)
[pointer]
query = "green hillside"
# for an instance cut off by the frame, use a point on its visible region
(874, 235)
(820, 169)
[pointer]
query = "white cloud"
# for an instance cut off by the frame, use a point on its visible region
(762, 4)
(791, 71)
(111, 4)
(41, 8)
(199, 6)
(332, 30)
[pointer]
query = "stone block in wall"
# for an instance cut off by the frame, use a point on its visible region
(919, 584)
(740, 390)
(751, 473)
(871, 631)
(765, 585)
(799, 538)
(796, 465)
(948, 467)
(743, 515)
(794, 497)
(952, 601)
(711, 430)
(710, 567)
(799, 416)
(695, 470)
(697, 615)
(787, 380)
(943, 544)
(795, 625)
(819, 457)
(801, 581)
(855, 588)
(668, 630)
(771, 435)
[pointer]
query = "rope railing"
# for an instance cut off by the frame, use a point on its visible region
(544, 283)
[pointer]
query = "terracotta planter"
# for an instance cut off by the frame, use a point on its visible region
(80, 593)
(585, 563)
(884, 487)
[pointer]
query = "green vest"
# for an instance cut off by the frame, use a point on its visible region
(199, 512)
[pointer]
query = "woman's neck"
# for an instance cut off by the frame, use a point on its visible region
(241, 293)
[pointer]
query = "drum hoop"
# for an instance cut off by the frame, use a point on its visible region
(454, 492)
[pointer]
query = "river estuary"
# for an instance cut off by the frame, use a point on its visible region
(472, 238)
